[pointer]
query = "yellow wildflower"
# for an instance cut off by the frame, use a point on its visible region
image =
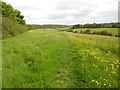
(92, 80)
(101, 77)
(105, 84)
(97, 83)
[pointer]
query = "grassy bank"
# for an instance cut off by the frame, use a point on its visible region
(11, 28)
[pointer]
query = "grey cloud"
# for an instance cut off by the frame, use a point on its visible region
(57, 16)
(30, 17)
(28, 8)
(76, 15)
(74, 9)
(105, 16)
(109, 13)
(68, 5)
(81, 14)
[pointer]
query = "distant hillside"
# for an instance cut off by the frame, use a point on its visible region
(34, 26)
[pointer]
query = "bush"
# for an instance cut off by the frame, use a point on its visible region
(117, 35)
(110, 34)
(105, 33)
(11, 28)
(94, 33)
(88, 31)
(70, 30)
(75, 31)
(81, 31)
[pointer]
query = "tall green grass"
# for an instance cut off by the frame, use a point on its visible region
(46, 59)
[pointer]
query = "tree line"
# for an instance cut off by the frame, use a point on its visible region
(94, 25)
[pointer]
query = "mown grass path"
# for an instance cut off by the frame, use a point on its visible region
(46, 59)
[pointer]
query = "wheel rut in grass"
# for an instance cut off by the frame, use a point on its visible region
(68, 55)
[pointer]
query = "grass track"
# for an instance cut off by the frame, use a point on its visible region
(46, 59)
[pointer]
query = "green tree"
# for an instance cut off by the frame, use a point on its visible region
(8, 11)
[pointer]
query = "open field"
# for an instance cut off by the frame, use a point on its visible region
(51, 59)
(52, 29)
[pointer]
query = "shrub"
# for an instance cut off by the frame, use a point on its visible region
(70, 30)
(105, 33)
(81, 31)
(11, 28)
(117, 35)
(94, 33)
(88, 31)
(75, 31)
(110, 34)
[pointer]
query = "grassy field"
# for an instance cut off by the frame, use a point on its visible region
(51, 59)
(52, 29)
(114, 31)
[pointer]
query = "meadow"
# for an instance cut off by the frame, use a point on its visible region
(50, 59)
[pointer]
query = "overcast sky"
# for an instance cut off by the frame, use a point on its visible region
(67, 11)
